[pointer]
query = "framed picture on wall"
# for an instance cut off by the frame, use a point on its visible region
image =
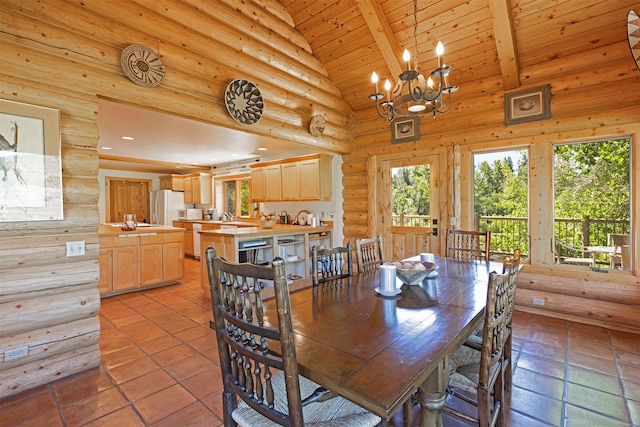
(30, 166)
(404, 129)
(527, 105)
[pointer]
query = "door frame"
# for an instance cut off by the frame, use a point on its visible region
(379, 208)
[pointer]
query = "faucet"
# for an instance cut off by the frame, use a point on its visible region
(228, 216)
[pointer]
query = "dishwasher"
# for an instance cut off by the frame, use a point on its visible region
(197, 228)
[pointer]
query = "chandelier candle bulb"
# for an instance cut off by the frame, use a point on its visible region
(440, 53)
(387, 87)
(406, 57)
(374, 80)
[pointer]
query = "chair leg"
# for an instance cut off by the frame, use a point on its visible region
(484, 407)
(508, 369)
(498, 399)
(407, 412)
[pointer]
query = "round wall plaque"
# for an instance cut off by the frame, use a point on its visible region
(633, 35)
(316, 127)
(142, 65)
(244, 102)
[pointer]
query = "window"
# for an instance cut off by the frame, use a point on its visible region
(411, 196)
(237, 196)
(501, 199)
(592, 203)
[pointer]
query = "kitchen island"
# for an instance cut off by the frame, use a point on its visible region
(140, 259)
(260, 245)
(191, 237)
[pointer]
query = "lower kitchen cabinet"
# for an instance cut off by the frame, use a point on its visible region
(131, 261)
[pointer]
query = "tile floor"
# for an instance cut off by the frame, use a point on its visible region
(159, 368)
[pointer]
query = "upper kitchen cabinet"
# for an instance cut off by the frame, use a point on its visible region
(197, 188)
(315, 178)
(301, 178)
(172, 182)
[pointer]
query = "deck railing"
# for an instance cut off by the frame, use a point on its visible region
(510, 232)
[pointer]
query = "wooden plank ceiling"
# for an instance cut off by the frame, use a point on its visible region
(489, 43)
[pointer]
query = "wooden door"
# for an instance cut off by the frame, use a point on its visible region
(127, 195)
(407, 234)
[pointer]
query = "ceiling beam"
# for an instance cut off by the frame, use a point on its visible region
(382, 34)
(141, 162)
(505, 42)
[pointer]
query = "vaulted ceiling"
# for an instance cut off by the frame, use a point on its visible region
(489, 43)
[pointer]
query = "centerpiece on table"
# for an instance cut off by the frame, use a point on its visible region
(413, 272)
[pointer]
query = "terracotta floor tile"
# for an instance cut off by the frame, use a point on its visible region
(93, 407)
(127, 320)
(214, 403)
(147, 384)
(634, 411)
(157, 406)
(125, 417)
(541, 365)
(598, 401)
(115, 340)
(625, 341)
(158, 344)
(205, 343)
(516, 419)
(628, 358)
(40, 419)
(537, 406)
(179, 325)
(20, 407)
(194, 415)
(173, 355)
(542, 384)
(594, 348)
(120, 357)
(629, 372)
(580, 417)
(194, 332)
(594, 379)
(80, 385)
(134, 369)
(549, 337)
(204, 383)
(631, 389)
(543, 349)
(189, 367)
(602, 364)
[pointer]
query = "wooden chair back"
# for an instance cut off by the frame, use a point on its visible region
(244, 340)
(331, 264)
(369, 253)
(511, 267)
(492, 355)
(620, 256)
(468, 245)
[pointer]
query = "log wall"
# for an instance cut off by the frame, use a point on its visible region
(582, 109)
(66, 55)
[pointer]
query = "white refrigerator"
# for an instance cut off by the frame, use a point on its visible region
(165, 205)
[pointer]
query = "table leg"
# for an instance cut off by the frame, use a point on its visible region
(432, 395)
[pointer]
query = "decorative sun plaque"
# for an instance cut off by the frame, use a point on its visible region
(142, 65)
(244, 102)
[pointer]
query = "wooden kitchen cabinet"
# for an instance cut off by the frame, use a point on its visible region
(300, 178)
(172, 182)
(273, 183)
(197, 189)
(258, 184)
(290, 181)
(315, 178)
(134, 260)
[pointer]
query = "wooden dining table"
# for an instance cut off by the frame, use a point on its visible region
(377, 351)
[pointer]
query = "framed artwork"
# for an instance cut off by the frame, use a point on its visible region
(30, 166)
(404, 129)
(633, 35)
(527, 105)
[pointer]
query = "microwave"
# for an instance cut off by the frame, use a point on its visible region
(190, 214)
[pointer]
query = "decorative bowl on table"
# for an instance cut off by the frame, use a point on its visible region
(266, 221)
(413, 272)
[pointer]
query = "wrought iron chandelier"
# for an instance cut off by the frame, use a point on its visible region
(412, 94)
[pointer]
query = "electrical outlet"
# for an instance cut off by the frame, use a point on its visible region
(538, 301)
(453, 221)
(16, 353)
(75, 248)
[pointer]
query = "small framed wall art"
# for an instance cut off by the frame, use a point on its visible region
(30, 163)
(527, 105)
(405, 129)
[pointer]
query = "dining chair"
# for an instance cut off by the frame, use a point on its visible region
(331, 264)
(618, 242)
(468, 245)
(482, 383)
(369, 253)
(270, 390)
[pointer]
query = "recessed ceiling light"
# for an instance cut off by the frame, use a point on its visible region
(234, 155)
(105, 148)
(262, 149)
(128, 138)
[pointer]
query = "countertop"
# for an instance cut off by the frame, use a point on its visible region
(108, 229)
(277, 229)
